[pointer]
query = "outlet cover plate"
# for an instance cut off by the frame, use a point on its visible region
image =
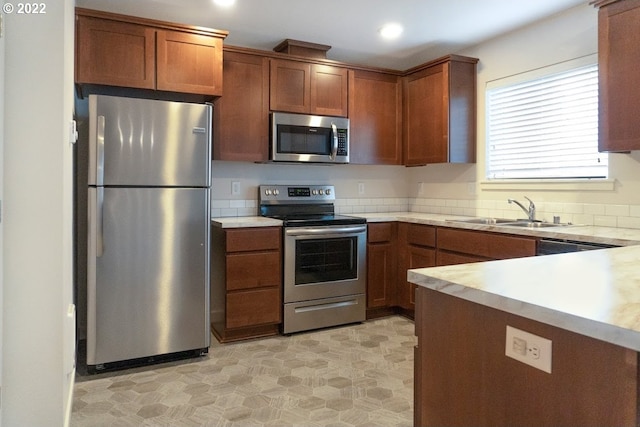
(528, 348)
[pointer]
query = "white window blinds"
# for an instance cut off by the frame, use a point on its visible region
(546, 127)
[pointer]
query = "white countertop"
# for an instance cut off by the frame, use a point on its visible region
(593, 234)
(245, 222)
(593, 293)
(585, 233)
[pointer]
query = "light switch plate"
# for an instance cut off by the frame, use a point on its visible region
(235, 188)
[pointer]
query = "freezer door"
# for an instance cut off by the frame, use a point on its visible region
(142, 142)
(148, 272)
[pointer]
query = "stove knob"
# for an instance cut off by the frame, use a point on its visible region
(314, 192)
(327, 191)
(276, 192)
(321, 191)
(267, 192)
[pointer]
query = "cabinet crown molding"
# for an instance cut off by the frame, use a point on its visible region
(151, 22)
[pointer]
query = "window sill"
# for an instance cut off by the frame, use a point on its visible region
(549, 185)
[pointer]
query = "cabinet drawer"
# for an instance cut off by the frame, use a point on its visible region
(380, 232)
(490, 245)
(253, 270)
(449, 258)
(421, 235)
(251, 308)
(253, 239)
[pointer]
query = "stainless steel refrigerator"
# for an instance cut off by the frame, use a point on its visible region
(148, 226)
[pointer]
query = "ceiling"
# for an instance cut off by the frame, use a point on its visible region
(432, 28)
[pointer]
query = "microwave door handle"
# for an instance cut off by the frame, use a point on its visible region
(334, 146)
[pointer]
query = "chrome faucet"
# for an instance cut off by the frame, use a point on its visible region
(531, 212)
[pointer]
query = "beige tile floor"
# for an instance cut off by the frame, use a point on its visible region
(358, 375)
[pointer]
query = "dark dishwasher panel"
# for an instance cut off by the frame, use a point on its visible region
(553, 246)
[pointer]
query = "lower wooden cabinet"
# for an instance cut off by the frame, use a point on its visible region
(381, 268)
(457, 246)
(251, 308)
(463, 378)
(246, 282)
(417, 250)
(247, 277)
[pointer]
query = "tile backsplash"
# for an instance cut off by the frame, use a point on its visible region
(624, 216)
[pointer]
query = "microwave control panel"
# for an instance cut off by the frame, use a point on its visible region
(342, 142)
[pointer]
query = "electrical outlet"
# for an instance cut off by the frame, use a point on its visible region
(528, 348)
(235, 188)
(361, 188)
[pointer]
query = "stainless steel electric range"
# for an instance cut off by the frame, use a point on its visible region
(324, 257)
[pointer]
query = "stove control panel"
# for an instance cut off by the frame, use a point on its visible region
(296, 193)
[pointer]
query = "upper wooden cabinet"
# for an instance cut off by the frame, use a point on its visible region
(118, 50)
(375, 113)
(241, 116)
(306, 88)
(619, 79)
(440, 112)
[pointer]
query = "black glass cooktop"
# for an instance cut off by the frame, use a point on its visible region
(319, 220)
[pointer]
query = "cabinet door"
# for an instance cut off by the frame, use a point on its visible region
(417, 257)
(329, 90)
(426, 117)
(381, 264)
(290, 88)
(440, 113)
(381, 275)
(114, 53)
(241, 116)
(253, 308)
(375, 113)
(619, 80)
(189, 63)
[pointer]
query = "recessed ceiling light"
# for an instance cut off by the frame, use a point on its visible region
(391, 31)
(224, 3)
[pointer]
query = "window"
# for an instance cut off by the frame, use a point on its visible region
(545, 126)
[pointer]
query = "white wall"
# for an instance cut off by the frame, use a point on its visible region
(566, 36)
(37, 355)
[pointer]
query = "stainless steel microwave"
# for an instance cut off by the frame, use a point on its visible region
(308, 138)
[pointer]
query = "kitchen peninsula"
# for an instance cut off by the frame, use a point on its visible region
(587, 304)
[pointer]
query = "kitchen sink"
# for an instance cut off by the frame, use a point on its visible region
(529, 224)
(523, 223)
(485, 221)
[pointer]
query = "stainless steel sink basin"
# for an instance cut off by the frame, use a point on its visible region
(485, 221)
(528, 224)
(508, 222)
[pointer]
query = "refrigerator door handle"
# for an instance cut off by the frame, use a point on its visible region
(100, 151)
(99, 224)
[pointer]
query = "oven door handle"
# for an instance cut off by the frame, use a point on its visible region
(316, 231)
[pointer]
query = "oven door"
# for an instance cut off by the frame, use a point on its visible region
(324, 262)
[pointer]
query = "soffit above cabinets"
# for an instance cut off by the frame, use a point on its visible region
(431, 28)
